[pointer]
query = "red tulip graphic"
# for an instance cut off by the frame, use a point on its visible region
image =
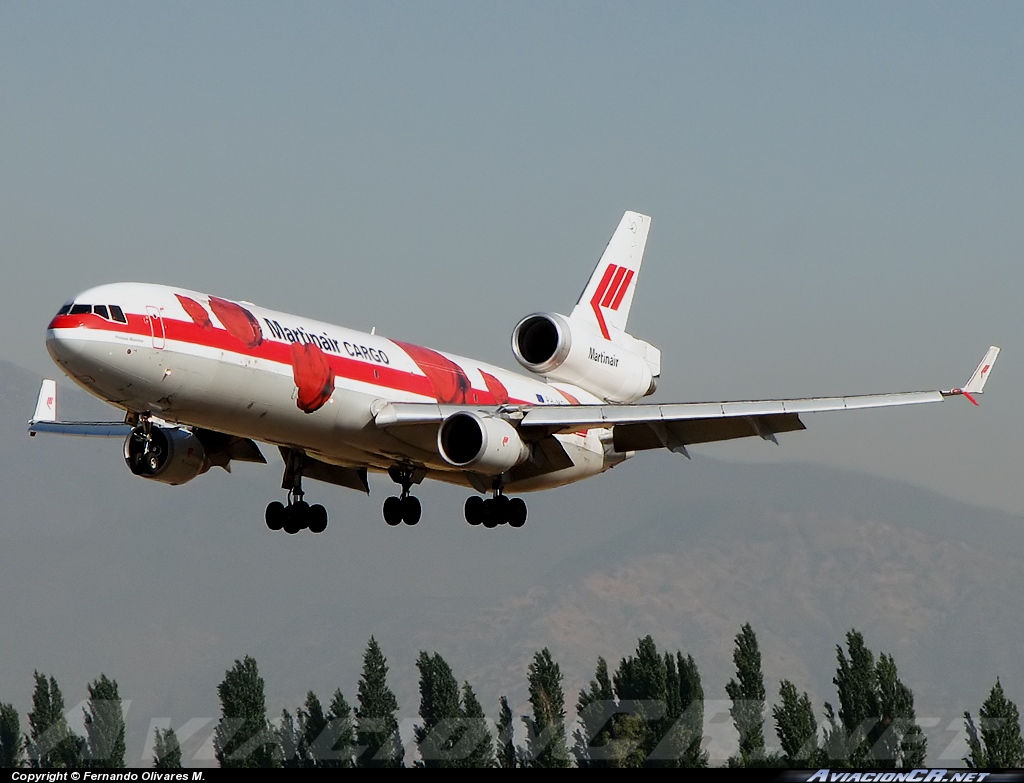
(238, 321)
(447, 379)
(496, 388)
(313, 375)
(196, 312)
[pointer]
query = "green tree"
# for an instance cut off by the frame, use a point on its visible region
(691, 716)
(104, 725)
(1000, 745)
(546, 727)
(438, 737)
(876, 725)
(243, 738)
(11, 744)
(748, 697)
(508, 756)
(291, 749)
(476, 739)
(796, 727)
(341, 730)
(641, 682)
(166, 750)
(376, 726)
(50, 743)
(596, 707)
(312, 728)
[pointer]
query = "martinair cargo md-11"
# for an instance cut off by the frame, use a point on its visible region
(201, 379)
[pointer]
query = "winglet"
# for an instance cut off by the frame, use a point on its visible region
(976, 384)
(46, 405)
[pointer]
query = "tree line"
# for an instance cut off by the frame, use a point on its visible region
(648, 712)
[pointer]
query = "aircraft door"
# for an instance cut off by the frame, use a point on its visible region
(156, 327)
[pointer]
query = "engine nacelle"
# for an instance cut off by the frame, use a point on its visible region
(168, 455)
(485, 444)
(554, 346)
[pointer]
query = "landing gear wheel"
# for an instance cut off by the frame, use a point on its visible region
(411, 510)
(516, 512)
(475, 509)
(317, 519)
(393, 511)
(275, 515)
(501, 506)
(491, 518)
(296, 517)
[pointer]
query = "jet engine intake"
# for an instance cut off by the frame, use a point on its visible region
(165, 454)
(622, 369)
(485, 444)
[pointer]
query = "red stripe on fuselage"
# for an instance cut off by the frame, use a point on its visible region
(271, 350)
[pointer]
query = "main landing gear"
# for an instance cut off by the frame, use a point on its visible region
(497, 510)
(405, 508)
(297, 514)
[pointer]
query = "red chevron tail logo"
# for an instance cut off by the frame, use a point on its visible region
(610, 293)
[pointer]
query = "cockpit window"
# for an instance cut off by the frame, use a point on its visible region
(108, 312)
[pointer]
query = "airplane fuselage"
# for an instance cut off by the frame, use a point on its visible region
(236, 368)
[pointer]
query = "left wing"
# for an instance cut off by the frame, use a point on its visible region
(676, 425)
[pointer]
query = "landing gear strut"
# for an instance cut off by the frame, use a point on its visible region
(144, 453)
(497, 510)
(404, 508)
(297, 514)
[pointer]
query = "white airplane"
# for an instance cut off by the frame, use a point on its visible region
(201, 379)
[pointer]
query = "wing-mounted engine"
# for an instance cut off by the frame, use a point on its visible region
(483, 444)
(562, 349)
(166, 454)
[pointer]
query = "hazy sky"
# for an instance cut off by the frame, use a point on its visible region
(835, 189)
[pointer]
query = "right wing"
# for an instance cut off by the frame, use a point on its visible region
(675, 425)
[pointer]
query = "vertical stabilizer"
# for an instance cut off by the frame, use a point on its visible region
(605, 301)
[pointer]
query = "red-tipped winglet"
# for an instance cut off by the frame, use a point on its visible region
(976, 384)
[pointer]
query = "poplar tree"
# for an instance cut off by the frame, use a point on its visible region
(376, 726)
(641, 682)
(596, 708)
(1000, 745)
(876, 725)
(746, 691)
(546, 726)
(50, 743)
(104, 725)
(166, 750)
(442, 728)
(341, 733)
(691, 721)
(243, 738)
(11, 744)
(796, 727)
(477, 737)
(508, 757)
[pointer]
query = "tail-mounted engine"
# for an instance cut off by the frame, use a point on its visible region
(484, 444)
(165, 454)
(620, 370)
